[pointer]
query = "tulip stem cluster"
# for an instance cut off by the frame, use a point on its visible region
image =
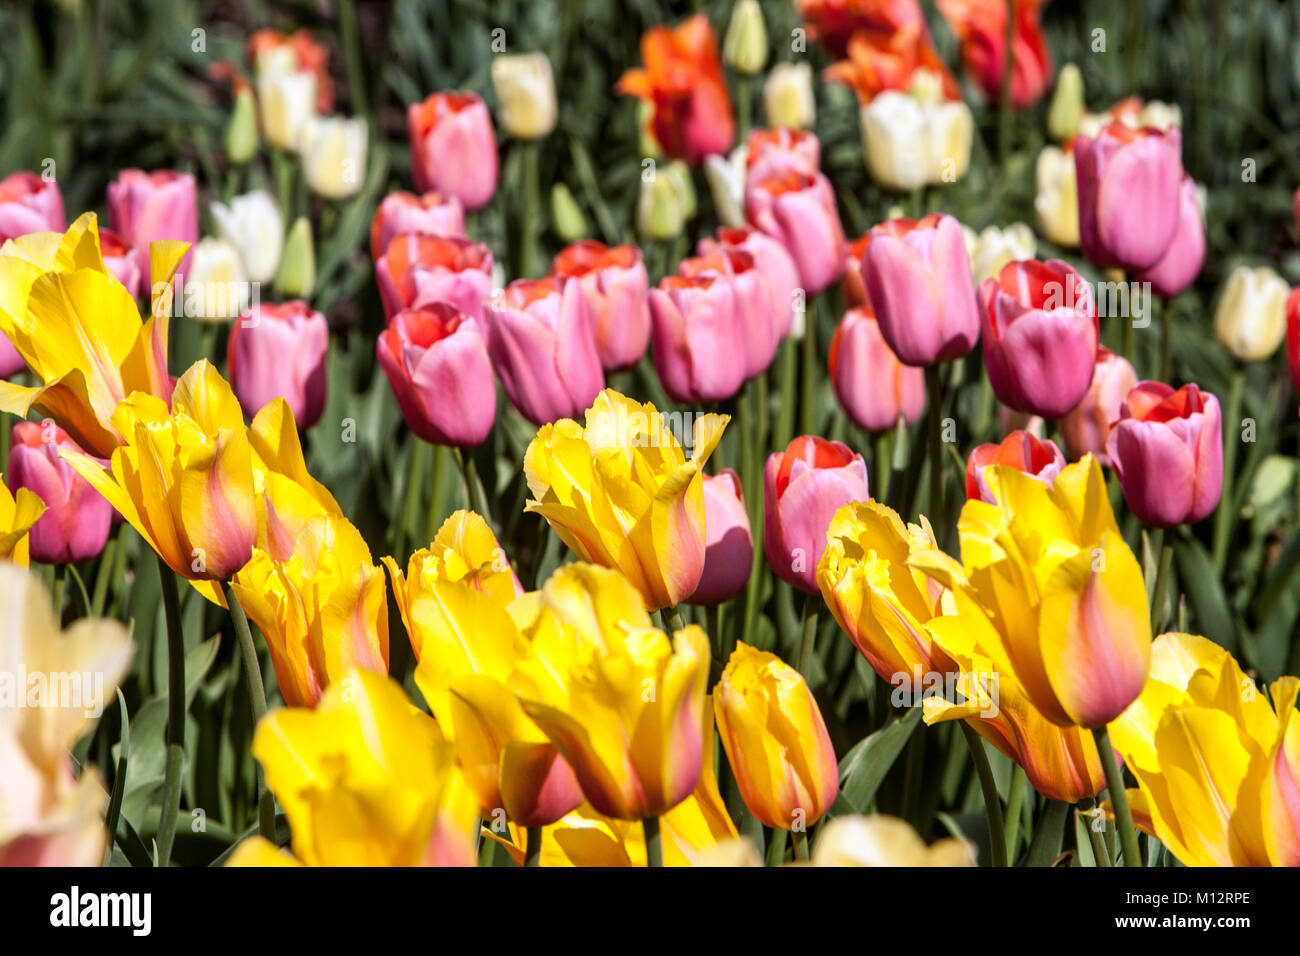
(257, 696)
(1118, 798)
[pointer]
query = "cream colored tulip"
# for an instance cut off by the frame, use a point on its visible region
(993, 248)
(216, 287)
(911, 143)
(1250, 321)
(788, 96)
(1057, 201)
(334, 155)
(286, 96)
(252, 223)
(525, 91)
(726, 178)
(885, 841)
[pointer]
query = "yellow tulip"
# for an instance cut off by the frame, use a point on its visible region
(17, 515)
(1056, 203)
(885, 841)
(1051, 593)
(525, 89)
(1217, 765)
(622, 493)
(775, 739)
(79, 331)
(365, 779)
(621, 701)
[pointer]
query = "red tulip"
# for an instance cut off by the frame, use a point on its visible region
(77, 518)
(832, 23)
(430, 215)
(29, 203)
(872, 385)
(1293, 336)
(417, 270)
(1020, 450)
(880, 61)
(278, 351)
(1087, 427)
(453, 147)
(981, 28)
(614, 285)
(773, 262)
(729, 544)
(799, 210)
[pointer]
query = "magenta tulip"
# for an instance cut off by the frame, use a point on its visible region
(775, 152)
(429, 215)
(872, 385)
(698, 337)
(752, 300)
(771, 259)
(278, 351)
(453, 147)
(29, 203)
(418, 269)
(1039, 458)
(799, 210)
(77, 518)
(614, 285)
(1186, 253)
(148, 207)
(729, 544)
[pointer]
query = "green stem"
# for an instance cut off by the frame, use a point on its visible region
(1166, 339)
(1014, 803)
(807, 643)
(654, 851)
(1160, 596)
(751, 469)
(989, 788)
(474, 494)
(807, 406)
(418, 464)
(898, 466)
(672, 619)
(175, 715)
(257, 696)
(104, 571)
(352, 55)
(433, 520)
(1097, 838)
(533, 847)
(530, 222)
(776, 851)
(785, 411)
(744, 105)
(1223, 517)
(934, 421)
(800, 838)
(1118, 797)
(60, 577)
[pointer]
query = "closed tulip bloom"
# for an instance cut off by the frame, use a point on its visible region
(917, 276)
(1217, 763)
(147, 207)
(1293, 337)
(594, 650)
(216, 287)
(291, 75)
(726, 178)
(18, 512)
(253, 225)
(1039, 326)
(418, 269)
(75, 524)
(872, 385)
(698, 337)
(279, 351)
(752, 299)
(525, 92)
(991, 249)
(981, 28)
(800, 211)
(683, 84)
(775, 739)
(543, 347)
(622, 493)
(771, 153)
(1250, 321)
(884, 841)
(124, 262)
(1020, 450)
(453, 147)
(1086, 428)
(910, 143)
(788, 96)
(891, 59)
(772, 261)
(1056, 200)
(29, 203)
(1185, 255)
(1167, 449)
(614, 286)
(334, 152)
(437, 363)
(1129, 206)
(729, 544)
(803, 487)
(432, 214)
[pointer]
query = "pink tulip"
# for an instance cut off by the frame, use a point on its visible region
(149, 207)
(453, 147)
(873, 386)
(772, 260)
(29, 203)
(803, 487)
(430, 215)
(1183, 259)
(123, 262)
(1040, 336)
(917, 277)
(614, 285)
(799, 210)
(1128, 194)
(1167, 449)
(697, 343)
(1087, 427)
(729, 545)
(775, 152)
(1021, 450)
(543, 347)
(437, 363)
(418, 270)
(11, 362)
(752, 299)
(76, 521)
(278, 351)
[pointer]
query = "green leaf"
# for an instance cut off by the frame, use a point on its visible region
(1204, 591)
(1048, 835)
(865, 766)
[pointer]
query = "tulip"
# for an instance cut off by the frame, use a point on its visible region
(771, 260)
(744, 47)
(430, 215)
(993, 248)
(240, 141)
(799, 210)
(53, 815)
(1293, 337)
(278, 351)
(525, 92)
(613, 283)
(775, 739)
(1074, 631)
(594, 650)
(29, 203)
(752, 301)
(699, 333)
(1067, 105)
(293, 83)
(881, 840)
(1019, 450)
(287, 104)
(880, 61)
(1087, 427)
(566, 215)
(252, 224)
(1186, 253)
(981, 28)
(627, 454)
(873, 387)
(296, 275)
(216, 287)
(1250, 321)
(75, 524)
(11, 363)
(18, 513)
(543, 346)
(418, 270)
(728, 542)
(1129, 206)
(144, 208)
(803, 487)
(453, 147)
(1056, 202)
(918, 278)
(1135, 114)
(123, 261)
(661, 208)
(437, 363)
(682, 81)
(772, 153)
(910, 143)
(1039, 326)
(365, 779)
(726, 178)
(1167, 450)
(334, 155)
(788, 96)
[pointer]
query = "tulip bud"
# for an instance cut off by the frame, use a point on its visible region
(1167, 449)
(77, 518)
(297, 273)
(1020, 450)
(803, 487)
(215, 285)
(660, 209)
(252, 224)
(241, 131)
(1056, 202)
(334, 155)
(279, 351)
(726, 178)
(453, 147)
(1250, 321)
(287, 95)
(744, 48)
(775, 740)
(993, 248)
(525, 92)
(729, 544)
(566, 215)
(1067, 104)
(29, 203)
(788, 96)
(613, 283)
(872, 385)
(1087, 427)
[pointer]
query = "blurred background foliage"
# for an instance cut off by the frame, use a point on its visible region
(100, 85)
